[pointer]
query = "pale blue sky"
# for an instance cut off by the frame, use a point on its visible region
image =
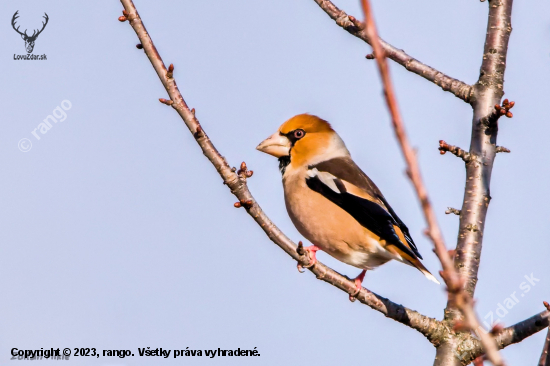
(117, 233)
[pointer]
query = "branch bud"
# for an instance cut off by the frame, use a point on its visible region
(358, 24)
(300, 248)
(198, 132)
(244, 172)
(170, 73)
(246, 204)
(500, 149)
(166, 101)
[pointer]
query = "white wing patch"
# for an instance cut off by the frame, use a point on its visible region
(326, 178)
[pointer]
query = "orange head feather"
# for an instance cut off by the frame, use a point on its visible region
(306, 139)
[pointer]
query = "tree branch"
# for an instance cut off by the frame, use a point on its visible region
(510, 335)
(487, 93)
(457, 295)
(485, 98)
(447, 83)
(431, 328)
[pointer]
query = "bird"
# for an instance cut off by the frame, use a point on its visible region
(333, 203)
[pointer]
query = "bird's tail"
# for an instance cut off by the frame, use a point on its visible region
(415, 262)
(418, 265)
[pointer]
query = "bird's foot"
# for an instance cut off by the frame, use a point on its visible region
(311, 250)
(358, 285)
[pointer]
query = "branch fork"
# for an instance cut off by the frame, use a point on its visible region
(357, 28)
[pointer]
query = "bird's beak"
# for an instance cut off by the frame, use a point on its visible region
(276, 145)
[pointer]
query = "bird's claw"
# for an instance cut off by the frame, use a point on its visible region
(301, 267)
(358, 286)
(312, 258)
(353, 297)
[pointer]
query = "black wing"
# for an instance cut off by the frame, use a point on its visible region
(377, 217)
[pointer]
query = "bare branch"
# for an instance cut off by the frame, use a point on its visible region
(433, 329)
(349, 23)
(519, 331)
(485, 101)
(449, 274)
(510, 335)
(487, 93)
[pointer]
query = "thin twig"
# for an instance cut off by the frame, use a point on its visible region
(449, 274)
(350, 24)
(451, 210)
(455, 150)
(502, 149)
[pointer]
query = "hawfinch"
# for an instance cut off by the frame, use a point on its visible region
(333, 203)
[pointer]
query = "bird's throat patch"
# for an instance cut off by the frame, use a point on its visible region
(283, 163)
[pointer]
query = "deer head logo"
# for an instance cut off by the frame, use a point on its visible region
(29, 40)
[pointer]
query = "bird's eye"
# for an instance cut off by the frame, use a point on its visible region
(298, 134)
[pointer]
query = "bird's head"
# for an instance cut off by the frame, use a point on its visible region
(305, 139)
